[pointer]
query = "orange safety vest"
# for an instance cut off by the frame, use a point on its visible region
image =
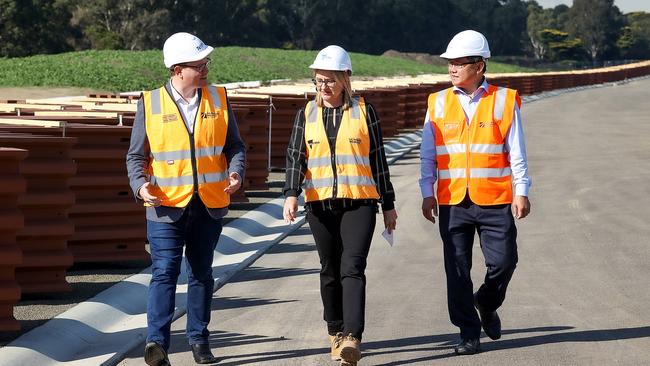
(180, 162)
(353, 175)
(472, 158)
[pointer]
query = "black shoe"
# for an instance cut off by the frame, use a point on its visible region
(202, 353)
(468, 346)
(489, 321)
(155, 355)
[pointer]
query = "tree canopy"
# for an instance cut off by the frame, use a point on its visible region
(591, 29)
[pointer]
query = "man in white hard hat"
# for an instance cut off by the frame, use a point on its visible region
(186, 158)
(473, 147)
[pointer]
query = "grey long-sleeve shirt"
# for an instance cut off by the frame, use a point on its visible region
(137, 160)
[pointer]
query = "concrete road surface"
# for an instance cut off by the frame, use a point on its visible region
(580, 295)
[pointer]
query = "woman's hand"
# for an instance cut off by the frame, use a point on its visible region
(290, 209)
(390, 220)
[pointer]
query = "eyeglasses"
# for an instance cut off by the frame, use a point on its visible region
(461, 65)
(200, 68)
(327, 82)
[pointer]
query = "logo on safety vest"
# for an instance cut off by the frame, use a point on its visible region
(354, 140)
(311, 143)
(169, 118)
(486, 124)
(209, 115)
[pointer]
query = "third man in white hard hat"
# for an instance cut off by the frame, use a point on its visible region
(473, 147)
(185, 160)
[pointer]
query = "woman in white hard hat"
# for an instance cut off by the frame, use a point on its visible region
(336, 156)
(185, 159)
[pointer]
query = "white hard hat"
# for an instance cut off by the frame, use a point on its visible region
(467, 43)
(332, 58)
(184, 47)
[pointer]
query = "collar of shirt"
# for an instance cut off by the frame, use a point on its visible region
(482, 89)
(178, 98)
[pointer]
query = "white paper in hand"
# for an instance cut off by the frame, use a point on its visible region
(389, 236)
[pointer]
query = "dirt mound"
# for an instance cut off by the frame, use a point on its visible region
(424, 58)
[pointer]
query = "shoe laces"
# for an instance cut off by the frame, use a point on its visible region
(338, 339)
(350, 337)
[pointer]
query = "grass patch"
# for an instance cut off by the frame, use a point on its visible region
(138, 70)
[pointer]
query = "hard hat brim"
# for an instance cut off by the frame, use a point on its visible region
(197, 57)
(450, 55)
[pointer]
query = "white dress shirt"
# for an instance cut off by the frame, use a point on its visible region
(514, 144)
(188, 107)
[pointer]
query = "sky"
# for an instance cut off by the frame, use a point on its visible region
(625, 6)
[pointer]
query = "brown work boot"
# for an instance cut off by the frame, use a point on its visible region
(350, 352)
(335, 342)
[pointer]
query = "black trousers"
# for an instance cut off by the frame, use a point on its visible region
(497, 232)
(343, 236)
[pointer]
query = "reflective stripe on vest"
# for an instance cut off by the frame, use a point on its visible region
(171, 171)
(353, 175)
(472, 158)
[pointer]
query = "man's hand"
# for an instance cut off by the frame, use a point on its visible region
(235, 182)
(290, 209)
(430, 208)
(520, 206)
(390, 220)
(147, 197)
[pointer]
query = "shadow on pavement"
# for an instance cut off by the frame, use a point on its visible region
(223, 303)
(433, 343)
(580, 336)
(259, 273)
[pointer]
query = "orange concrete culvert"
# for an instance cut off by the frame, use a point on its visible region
(45, 206)
(12, 185)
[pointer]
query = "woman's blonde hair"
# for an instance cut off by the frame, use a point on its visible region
(342, 77)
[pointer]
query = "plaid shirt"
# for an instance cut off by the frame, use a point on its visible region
(297, 162)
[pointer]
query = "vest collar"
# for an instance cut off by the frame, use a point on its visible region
(482, 89)
(176, 96)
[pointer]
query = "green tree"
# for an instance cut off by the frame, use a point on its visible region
(508, 28)
(538, 20)
(634, 41)
(33, 26)
(560, 46)
(221, 22)
(596, 23)
(121, 24)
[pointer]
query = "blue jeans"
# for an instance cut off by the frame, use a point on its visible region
(199, 232)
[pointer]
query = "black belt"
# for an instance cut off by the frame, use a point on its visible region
(340, 203)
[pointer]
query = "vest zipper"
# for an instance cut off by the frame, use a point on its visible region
(333, 155)
(467, 149)
(195, 178)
